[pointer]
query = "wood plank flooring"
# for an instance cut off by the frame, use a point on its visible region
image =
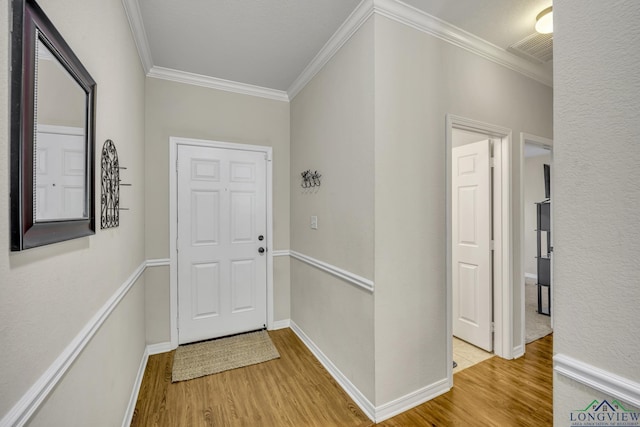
(296, 390)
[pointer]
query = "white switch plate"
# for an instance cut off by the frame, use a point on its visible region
(314, 222)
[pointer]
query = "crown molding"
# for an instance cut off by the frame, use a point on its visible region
(422, 21)
(132, 10)
(348, 28)
(403, 13)
(395, 10)
(215, 83)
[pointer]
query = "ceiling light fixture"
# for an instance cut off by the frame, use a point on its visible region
(544, 21)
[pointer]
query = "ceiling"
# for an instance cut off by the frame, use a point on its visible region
(268, 43)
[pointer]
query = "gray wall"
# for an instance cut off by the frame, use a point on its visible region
(377, 112)
(419, 79)
(49, 294)
(176, 109)
(332, 131)
(597, 197)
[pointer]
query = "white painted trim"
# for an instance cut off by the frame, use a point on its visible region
(60, 130)
(280, 324)
(22, 411)
(132, 10)
(503, 304)
(161, 347)
(281, 252)
(411, 400)
(336, 271)
(174, 142)
(408, 15)
(131, 407)
(422, 21)
(342, 35)
(344, 382)
(391, 9)
(382, 412)
(518, 351)
(150, 350)
(216, 83)
(159, 262)
(505, 256)
(598, 379)
(546, 142)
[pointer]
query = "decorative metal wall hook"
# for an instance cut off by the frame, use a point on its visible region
(110, 199)
(310, 179)
(111, 183)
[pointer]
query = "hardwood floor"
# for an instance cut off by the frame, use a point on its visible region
(296, 390)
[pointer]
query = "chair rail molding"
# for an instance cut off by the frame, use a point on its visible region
(336, 271)
(29, 403)
(598, 379)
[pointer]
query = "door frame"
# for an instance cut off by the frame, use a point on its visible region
(547, 143)
(174, 143)
(503, 260)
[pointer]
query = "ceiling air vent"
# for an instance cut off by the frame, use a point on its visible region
(537, 48)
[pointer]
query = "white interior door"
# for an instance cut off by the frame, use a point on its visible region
(471, 244)
(222, 262)
(60, 185)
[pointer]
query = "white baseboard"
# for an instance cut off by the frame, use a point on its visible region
(357, 396)
(280, 324)
(411, 400)
(128, 416)
(24, 409)
(518, 351)
(375, 413)
(150, 350)
(598, 379)
(162, 347)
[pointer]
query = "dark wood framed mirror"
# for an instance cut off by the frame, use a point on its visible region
(52, 134)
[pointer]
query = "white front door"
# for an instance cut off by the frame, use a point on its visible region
(471, 240)
(222, 262)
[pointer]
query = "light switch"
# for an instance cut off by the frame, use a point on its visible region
(314, 222)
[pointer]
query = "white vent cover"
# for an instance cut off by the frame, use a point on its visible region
(537, 48)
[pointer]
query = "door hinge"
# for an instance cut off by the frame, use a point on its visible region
(493, 326)
(492, 245)
(492, 162)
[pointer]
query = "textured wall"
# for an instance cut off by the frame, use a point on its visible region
(332, 131)
(175, 109)
(49, 294)
(596, 158)
(418, 80)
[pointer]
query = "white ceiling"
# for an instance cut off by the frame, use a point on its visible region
(268, 43)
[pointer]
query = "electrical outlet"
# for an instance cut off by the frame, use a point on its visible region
(314, 222)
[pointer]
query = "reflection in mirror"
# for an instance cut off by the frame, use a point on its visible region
(52, 198)
(59, 142)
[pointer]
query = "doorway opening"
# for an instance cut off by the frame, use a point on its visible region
(479, 295)
(536, 236)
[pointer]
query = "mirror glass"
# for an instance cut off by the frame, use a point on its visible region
(59, 141)
(52, 197)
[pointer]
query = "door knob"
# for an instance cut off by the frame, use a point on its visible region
(261, 250)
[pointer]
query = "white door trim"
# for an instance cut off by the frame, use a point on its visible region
(174, 142)
(547, 143)
(503, 260)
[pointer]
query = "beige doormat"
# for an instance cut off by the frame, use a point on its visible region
(211, 357)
